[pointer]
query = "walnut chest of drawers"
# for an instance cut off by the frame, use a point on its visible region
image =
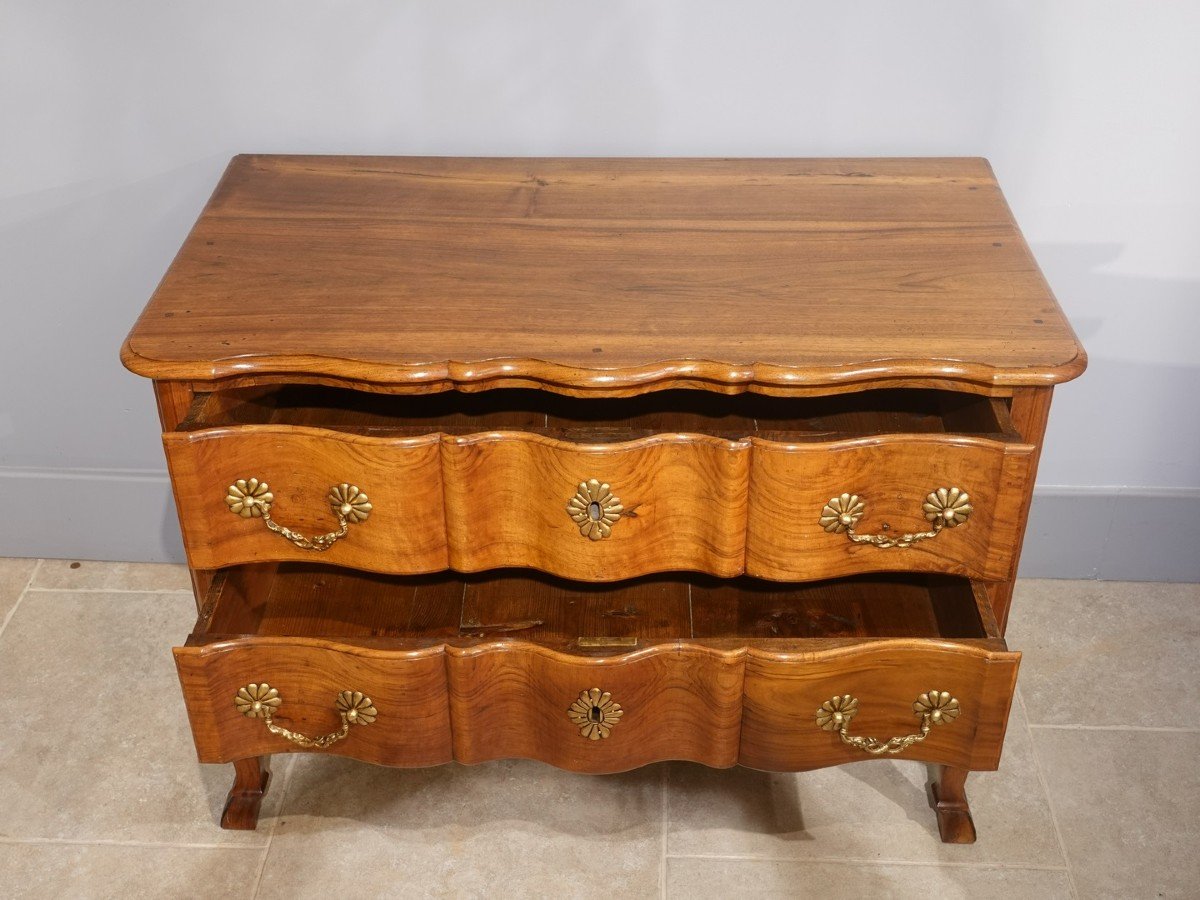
(603, 462)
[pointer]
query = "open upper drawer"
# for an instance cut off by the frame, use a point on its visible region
(600, 490)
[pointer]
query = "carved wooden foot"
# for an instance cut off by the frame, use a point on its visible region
(250, 779)
(953, 811)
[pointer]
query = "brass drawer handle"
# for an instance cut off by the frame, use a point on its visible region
(261, 701)
(251, 498)
(934, 708)
(944, 507)
(595, 713)
(594, 509)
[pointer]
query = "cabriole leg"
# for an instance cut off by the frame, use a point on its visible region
(250, 778)
(953, 810)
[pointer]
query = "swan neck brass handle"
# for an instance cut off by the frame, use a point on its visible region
(251, 498)
(261, 701)
(943, 507)
(933, 708)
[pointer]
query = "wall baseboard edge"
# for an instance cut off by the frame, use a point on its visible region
(1102, 532)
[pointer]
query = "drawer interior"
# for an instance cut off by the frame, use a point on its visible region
(311, 600)
(891, 411)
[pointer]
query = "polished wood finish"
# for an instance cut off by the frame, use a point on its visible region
(176, 401)
(949, 792)
(1030, 413)
(406, 529)
(783, 692)
(484, 667)
(790, 484)
(606, 276)
(414, 612)
(678, 703)
(445, 496)
(251, 777)
(409, 687)
(605, 420)
(727, 343)
(684, 499)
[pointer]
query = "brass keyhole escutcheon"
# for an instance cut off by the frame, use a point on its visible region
(595, 713)
(595, 509)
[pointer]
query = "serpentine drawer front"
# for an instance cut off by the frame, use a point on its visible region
(603, 462)
(792, 702)
(601, 704)
(660, 503)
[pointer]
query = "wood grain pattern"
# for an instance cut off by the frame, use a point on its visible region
(949, 794)
(876, 327)
(511, 700)
(684, 500)
(407, 687)
(314, 600)
(693, 502)
(1030, 414)
(251, 777)
(505, 699)
(606, 276)
(402, 477)
(790, 484)
(783, 692)
(500, 683)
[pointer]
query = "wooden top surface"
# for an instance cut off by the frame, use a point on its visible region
(607, 276)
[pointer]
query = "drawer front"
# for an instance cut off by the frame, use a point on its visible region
(790, 535)
(529, 702)
(673, 502)
(403, 532)
(407, 691)
(785, 693)
(594, 512)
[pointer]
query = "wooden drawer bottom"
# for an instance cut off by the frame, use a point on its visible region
(671, 669)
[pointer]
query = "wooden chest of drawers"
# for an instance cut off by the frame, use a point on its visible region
(603, 462)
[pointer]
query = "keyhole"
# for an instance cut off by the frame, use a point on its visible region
(595, 714)
(595, 513)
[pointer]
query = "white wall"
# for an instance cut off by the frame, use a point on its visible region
(117, 118)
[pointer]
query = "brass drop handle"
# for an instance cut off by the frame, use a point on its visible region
(261, 701)
(934, 708)
(944, 507)
(251, 498)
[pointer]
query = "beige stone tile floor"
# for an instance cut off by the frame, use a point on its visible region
(1098, 794)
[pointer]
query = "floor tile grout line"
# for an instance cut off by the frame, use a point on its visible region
(111, 590)
(1170, 729)
(873, 860)
(149, 845)
(37, 567)
(662, 820)
(1045, 786)
(283, 795)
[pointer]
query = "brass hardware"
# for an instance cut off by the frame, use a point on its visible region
(944, 507)
(934, 708)
(594, 642)
(594, 509)
(261, 701)
(251, 498)
(595, 713)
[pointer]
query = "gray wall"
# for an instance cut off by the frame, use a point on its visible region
(118, 118)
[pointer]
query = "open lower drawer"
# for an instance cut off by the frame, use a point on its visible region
(784, 488)
(416, 671)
